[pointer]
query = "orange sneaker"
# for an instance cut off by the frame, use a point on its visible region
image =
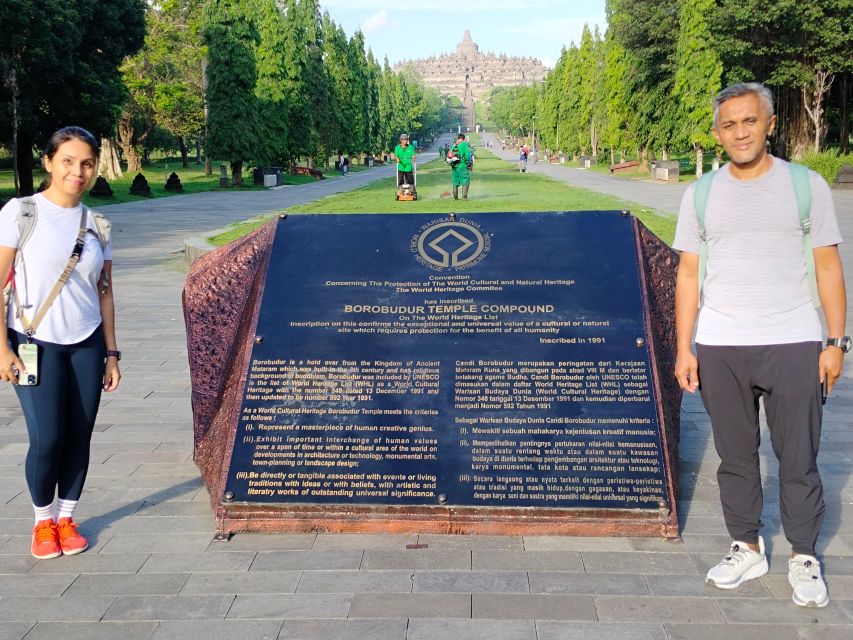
(69, 538)
(46, 541)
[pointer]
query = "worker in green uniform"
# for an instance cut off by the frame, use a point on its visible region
(404, 154)
(460, 171)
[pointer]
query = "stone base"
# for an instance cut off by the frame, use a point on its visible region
(244, 518)
(221, 306)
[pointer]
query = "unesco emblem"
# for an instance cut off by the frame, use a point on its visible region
(443, 245)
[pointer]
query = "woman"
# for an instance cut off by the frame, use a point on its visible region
(71, 333)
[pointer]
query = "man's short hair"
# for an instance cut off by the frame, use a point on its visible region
(461, 136)
(742, 89)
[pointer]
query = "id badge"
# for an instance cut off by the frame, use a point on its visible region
(28, 353)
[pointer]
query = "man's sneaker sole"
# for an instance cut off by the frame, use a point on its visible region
(810, 604)
(754, 572)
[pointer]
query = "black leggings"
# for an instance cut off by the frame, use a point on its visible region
(60, 412)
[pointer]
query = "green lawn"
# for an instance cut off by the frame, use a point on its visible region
(495, 186)
(192, 178)
(238, 230)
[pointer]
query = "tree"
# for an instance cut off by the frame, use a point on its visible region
(697, 77)
(319, 98)
(41, 38)
(618, 130)
(232, 123)
(358, 64)
(514, 108)
(108, 162)
(550, 111)
(178, 56)
(342, 115)
(310, 121)
(648, 31)
(273, 103)
(136, 121)
(571, 128)
(841, 114)
(164, 81)
(797, 48)
(134, 126)
(590, 105)
(10, 82)
(387, 126)
(374, 87)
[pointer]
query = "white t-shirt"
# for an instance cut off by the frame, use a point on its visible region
(756, 289)
(76, 312)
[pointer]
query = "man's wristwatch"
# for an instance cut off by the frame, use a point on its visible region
(844, 343)
(117, 354)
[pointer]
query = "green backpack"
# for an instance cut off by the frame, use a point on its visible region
(803, 193)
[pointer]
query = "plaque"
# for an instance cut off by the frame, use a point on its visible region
(475, 373)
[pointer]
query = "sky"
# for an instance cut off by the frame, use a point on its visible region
(412, 29)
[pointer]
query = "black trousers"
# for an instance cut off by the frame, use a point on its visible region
(405, 177)
(60, 413)
(786, 377)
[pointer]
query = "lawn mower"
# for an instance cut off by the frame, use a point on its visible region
(407, 192)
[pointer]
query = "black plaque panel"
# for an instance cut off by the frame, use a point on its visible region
(496, 360)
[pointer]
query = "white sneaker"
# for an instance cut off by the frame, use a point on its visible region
(740, 564)
(806, 581)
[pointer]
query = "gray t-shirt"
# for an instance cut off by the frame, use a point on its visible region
(756, 289)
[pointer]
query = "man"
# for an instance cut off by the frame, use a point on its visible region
(759, 336)
(404, 154)
(460, 171)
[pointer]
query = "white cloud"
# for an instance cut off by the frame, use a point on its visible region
(548, 61)
(376, 22)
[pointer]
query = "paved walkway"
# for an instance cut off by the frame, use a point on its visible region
(153, 571)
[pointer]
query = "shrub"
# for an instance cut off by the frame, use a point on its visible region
(826, 163)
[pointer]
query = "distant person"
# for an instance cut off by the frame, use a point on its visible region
(341, 164)
(71, 332)
(758, 335)
(460, 159)
(345, 165)
(404, 154)
(522, 159)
